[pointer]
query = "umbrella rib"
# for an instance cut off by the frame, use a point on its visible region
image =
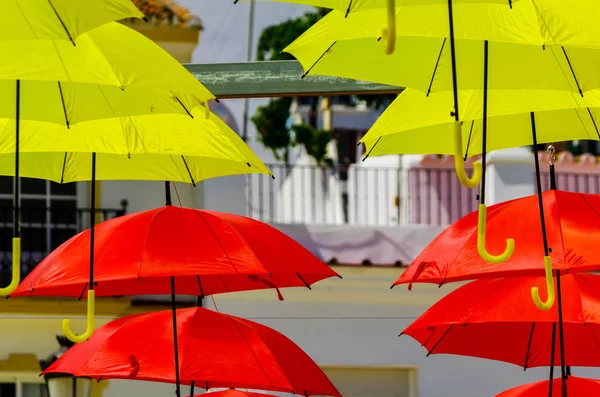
(469, 140)
(305, 283)
(529, 346)
(348, 9)
(317, 61)
(62, 99)
(61, 22)
(62, 174)
(436, 66)
(593, 121)
(200, 287)
(372, 147)
(572, 71)
(183, 106)
(439, 340)
(84, 289)
(188, 170)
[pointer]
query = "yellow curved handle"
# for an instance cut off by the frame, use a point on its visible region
(66, 324)
(388, 34)
(459, 164)
(206, 109)
(510, 243)
(16, 268)
(535, 291)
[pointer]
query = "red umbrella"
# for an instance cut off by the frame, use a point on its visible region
(207, 252)
(495, 319)
(216, 350)
(577, 387)
(572, 222)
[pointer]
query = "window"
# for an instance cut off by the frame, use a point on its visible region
(48, 216)
(373, 381)
(18, 388)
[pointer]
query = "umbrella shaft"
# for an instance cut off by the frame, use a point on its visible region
(561, 333)
(453, 59)
(539, 185)
(167, 193)
(484, 121)
(92, 220)
(17, 187)
(176, 345)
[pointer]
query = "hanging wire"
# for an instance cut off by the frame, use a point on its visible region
(177, 193)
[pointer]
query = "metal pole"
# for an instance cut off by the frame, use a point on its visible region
(248, 59)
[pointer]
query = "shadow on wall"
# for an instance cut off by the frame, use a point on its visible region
(358, 245)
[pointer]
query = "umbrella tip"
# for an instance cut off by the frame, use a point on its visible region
(272, 176)
(248, 164)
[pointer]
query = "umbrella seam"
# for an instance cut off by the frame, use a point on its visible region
(257, 360)
(216, 239)
(240, 236)
(62, 62)
(27, 20)
(146, 241)
(183, 178)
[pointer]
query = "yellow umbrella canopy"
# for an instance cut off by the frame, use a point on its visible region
(545, 21)
(60, 19)
(417, 123)
(111, 54)
(348, 47)
(170, 146)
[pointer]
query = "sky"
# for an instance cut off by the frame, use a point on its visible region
(225, 39)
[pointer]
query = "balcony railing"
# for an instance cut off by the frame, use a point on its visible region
(358, 195)
(42, 230)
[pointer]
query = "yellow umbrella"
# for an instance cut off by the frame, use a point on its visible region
(417, 123)
(93, 97)
(60, 19)
(556, 19)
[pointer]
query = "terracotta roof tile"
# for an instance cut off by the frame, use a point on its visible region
(167, 13)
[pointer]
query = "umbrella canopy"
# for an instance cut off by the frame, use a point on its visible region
(172, 147)
(56, 73)
(206, 252)
(495, 319)
(419, 123)
(60, 19)
(215, 350)
(573, 229)
(576, 387)
(348, 46)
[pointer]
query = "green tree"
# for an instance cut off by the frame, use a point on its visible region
(270, 120)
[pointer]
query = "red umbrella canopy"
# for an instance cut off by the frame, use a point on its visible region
(215, 350)
(233, 393)
(496, 319)
(207, 252)
(573, 229)
(576, 387)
